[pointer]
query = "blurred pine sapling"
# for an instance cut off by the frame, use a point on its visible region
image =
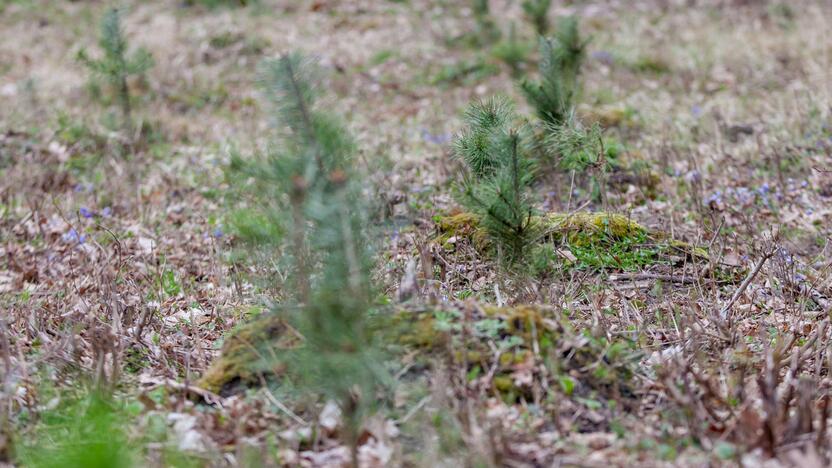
(512, 51)
(487, 30)
(117, 65)
(499, 174)
(537, 12)
(87, 432)
(581, 148)
(553, 97)
(306, 187)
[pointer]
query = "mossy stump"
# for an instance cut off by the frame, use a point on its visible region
(244, 347)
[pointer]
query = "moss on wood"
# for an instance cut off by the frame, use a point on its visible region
(244, 349)
(579, 232)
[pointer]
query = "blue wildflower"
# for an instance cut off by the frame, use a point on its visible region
(436, 139)
(693, 176)
(603, 56)
(73, 236)
(107, 211)
(785, 256)
(85, 212)
(218, 232)
(696, 110)
(764, 189)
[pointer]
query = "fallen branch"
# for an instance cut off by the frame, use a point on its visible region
(653, 276)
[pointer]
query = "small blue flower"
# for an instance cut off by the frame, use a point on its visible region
(696, 110)
(693, 176)
(603, 56)
(107, 211)
(764, 189)
(438, 139)
(804, 184)
(85, 212)
(218, 232)
(809, 212)
(73, 236)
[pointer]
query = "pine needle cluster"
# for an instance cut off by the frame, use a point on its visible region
(306, 185)
(499, 177)
(560, 62)
(117, 65)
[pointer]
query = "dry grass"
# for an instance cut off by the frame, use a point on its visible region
(729, 102)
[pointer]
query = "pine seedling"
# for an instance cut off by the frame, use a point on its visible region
(581, 149)
(513, 52)
(560, 62)
(497, 185)
(307, 184)
(537, 13)
(487, 30)
(116, 66)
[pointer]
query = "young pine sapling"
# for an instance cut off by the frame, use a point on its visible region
(307, 184)
(581, 148)
(512, 51)
(487, 30)
(537, 12)
(116, 65)
(560, 62)
(499, 174)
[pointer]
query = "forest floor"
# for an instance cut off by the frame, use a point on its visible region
(116, 263)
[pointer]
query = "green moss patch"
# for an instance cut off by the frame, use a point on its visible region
(594, 240)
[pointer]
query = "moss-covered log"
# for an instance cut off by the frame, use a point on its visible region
(577, 230)
(249, 353)
(525, 334)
